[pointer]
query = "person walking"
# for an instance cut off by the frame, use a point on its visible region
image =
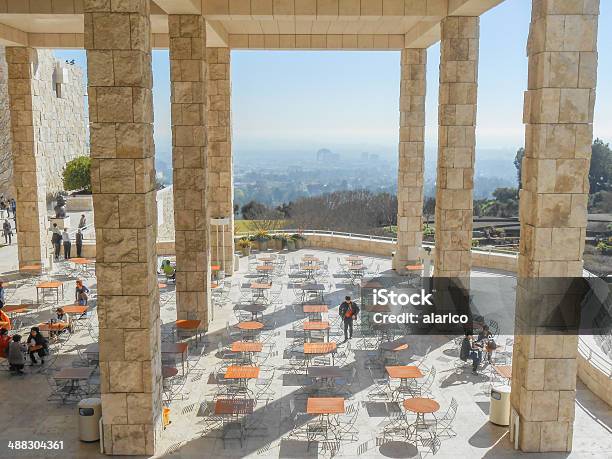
(56, 240)
(82, 221)
(67, 243)
(79, 242)
(348, 312)
(7, 231)
(14, 208)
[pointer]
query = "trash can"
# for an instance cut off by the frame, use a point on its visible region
(90, 412)
(499, 411)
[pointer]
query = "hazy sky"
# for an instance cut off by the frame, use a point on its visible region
(305, 100)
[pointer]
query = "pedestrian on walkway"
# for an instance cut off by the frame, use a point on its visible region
(7, 231)
(56, 240)
(348, 313)
(67, 243)
(14, 208)
(83, 221)
(79, 242)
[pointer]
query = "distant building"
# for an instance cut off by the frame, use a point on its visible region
(325, 155)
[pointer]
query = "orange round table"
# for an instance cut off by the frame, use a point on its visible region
(168, 372)
(421, 406)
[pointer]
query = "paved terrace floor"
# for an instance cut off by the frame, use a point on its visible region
(27, 415)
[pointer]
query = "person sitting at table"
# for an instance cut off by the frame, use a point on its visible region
(5, 339)
(63, 317)
(37, 344)
(80, 293)
(16, 355)
(168, 269)
(485, 337)
(470, 349)
(348, 312)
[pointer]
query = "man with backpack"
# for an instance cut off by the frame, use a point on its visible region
(348, 312)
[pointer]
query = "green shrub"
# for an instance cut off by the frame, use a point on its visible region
(77, 174)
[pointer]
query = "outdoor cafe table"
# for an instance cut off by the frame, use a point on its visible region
(247, 348)
(83, 263)
(314, 288)
(324, 407)
(421, 407)
(310, 326)
(76, 309)
(311, 349)
(255, 309)
(309, 259)
(50, 285)
(176, 349)
(75, 376)
(310, 271)
(260, 289)
(192, 325)
(53, 327)
(505, 371)
(265, 270)
(242, 373)
(267, 260)
(169, 372)
(314, 311)
(234, 408)
(327, 374)
(394, 347)
(12, 309)
(92, 352)
(250, 328)
(404, 373)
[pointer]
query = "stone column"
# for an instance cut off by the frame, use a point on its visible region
(117, 40)
(558, 115)
(220, 170)
(456, 142)
(411, 158)
(188, 70)
(28, 170)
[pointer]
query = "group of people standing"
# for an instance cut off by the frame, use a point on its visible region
(61, 237)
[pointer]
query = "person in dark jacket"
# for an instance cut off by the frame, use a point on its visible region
(348, 312)
(470, 349)
(56, 240)
(37, 344)
(79, 242)
(7, 231)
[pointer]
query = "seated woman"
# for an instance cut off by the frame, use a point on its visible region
(37, 344)
(80, 293)
(62, 317)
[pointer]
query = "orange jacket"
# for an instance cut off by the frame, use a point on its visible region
(5, 322)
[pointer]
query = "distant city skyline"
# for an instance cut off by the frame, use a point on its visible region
(348, 101)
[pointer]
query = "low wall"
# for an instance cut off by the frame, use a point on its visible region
(480, 258)
(81, 203)
(594, 370)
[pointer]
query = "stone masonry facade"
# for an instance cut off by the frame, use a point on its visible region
(28, 175)
(456, 145)
(411, 157)
(188, 69)
(117, 40)
(220, 169)
(58, 102)
(558, 117)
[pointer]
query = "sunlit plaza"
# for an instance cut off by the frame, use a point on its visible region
(139, 321)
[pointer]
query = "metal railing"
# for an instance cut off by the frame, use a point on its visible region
(595, 358)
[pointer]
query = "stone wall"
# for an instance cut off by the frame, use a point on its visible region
(165, 215)
(6, 161)
(60, 112)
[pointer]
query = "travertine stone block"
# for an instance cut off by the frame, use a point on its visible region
(123, 173)
(188, 71)
(411, 157)
(558, 116)
(220, 164)
(456, 145)
(28, 160)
